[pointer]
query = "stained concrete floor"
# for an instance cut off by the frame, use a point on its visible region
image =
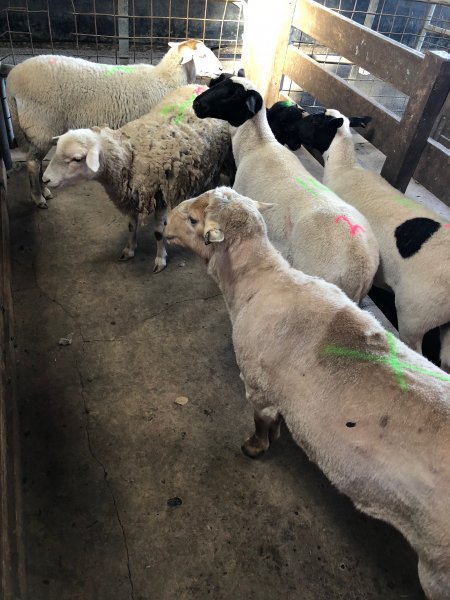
(128, 495)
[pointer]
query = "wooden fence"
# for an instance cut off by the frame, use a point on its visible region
(12, 567)
(425, 78)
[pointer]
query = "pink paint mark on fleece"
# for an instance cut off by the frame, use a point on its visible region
(353, 227)
(52, 61)
(200, 89)
(447, 226)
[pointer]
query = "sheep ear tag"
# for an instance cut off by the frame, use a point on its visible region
(213, 236)
(92, 160)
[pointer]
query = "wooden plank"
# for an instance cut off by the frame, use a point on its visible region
(405, 148)
(12, 565)
(387, 59)
(433, 170)
(266, 37)
(333, 92)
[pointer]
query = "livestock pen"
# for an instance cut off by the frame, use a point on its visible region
(125, 478)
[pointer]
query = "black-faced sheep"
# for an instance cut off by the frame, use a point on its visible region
(414, 241)
(311, 226)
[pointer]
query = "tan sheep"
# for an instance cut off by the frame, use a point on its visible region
(371, 412)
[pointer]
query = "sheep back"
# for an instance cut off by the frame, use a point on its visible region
(173, 156)
(44, 105)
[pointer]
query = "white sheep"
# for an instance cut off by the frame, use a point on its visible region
(148, 165)
(312, 227)
(50, 94)
(372, 413)
(414, 242)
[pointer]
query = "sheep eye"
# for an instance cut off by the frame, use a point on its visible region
(193, 221)
(77, 158)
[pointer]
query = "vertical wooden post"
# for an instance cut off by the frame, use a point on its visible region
(12, 557)
(424, 106)
(266, 37)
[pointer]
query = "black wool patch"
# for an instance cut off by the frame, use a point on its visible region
(412, 234)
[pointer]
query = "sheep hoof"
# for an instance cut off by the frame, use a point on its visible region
(47, 193)
(42, 203)
(251, 449)
(126, 254)
(160, 265)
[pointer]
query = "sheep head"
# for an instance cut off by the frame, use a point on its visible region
(77, 158)
(219, 215)
(197, 58)
(234, 100)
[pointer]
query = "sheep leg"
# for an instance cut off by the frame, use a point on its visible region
(34, 167)
(267, 429)
(160, 223)
(408, 333)
(445, 347)
(128, 251)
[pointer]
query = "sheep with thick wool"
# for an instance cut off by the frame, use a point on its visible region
(414, 241)
(50, 94)
(311, 226)
(148, 165)
(372, 413)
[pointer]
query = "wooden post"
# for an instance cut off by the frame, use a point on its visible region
(12, 558)
(424, 106)
(266, 37)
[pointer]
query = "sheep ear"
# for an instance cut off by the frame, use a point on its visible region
(359, 121)
(212, 232)
(93, 159)
(173, 44)
(186, 58)
(336, 122)
(253, 102)
(213, 236)
(263, 206)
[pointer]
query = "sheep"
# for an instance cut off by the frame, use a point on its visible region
(373, 414)
(313, 228)
(414, 241)
(292, 128)
(223, 76)
(50, 94)
(149, 164)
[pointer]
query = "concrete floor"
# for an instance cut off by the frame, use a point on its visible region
(128, 495)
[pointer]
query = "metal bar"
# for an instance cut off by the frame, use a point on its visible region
(383, 57)
(123, 25)
(423, 33)
(371, 12)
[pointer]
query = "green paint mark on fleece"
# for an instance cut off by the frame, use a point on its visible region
(119, 69)
(391, 359)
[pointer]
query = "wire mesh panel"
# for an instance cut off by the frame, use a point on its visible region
(118, 31)
(418, 24)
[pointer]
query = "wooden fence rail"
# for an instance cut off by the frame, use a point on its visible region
(425, 78)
